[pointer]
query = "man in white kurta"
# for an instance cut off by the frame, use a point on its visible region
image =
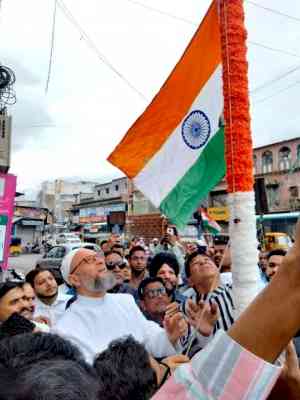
(96, 317)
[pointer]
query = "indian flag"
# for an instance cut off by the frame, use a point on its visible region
(174, 152)
(210, 224)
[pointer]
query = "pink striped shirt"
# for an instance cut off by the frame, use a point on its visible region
(222, 371)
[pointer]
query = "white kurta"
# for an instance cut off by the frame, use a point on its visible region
(92, 324)
(54, 311)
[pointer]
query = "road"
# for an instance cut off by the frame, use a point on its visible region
(23, 263)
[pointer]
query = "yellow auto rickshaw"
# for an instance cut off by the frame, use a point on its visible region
(15, 248)
(276, 240)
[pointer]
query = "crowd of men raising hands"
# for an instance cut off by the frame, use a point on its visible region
(157, 321)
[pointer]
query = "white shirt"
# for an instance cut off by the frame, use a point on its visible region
(93, 323)
(54, 311)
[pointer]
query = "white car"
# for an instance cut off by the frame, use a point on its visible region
(68, 238)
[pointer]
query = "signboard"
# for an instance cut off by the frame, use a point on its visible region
(218, 213)
(7, 196)
(117, 218)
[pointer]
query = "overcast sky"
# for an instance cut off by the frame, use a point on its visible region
(70, 131)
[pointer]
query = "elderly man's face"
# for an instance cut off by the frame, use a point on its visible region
(89, 274)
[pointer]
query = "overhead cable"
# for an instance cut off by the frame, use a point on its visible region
(273, 11)
(194, 23)
(276, 93)
(51, 46)
(93, 47)
(275, 80)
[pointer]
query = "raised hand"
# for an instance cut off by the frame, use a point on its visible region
(175, 323)
(202, 316)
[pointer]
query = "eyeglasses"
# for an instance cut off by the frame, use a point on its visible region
(87, 260)
(111, 266)
(152, 293)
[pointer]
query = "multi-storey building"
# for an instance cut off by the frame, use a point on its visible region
(60, 195)
(278, 164)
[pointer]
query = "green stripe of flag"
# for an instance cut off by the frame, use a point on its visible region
(202, 177)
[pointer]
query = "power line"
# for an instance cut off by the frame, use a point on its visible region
(273, 49)
(275, 80)
(93, 47)
(52, 46)
(273, 11)
(190, 22)
(165, 13)
(276, 93)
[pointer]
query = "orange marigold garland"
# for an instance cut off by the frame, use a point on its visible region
(238, 142)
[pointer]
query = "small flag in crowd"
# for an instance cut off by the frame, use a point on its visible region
(209, 224)
(174, 152)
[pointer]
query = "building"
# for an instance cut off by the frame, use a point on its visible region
(60, 195)
(277, 177)
(29, 223)
(279, 166)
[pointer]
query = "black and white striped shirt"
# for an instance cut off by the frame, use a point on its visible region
(222, 295)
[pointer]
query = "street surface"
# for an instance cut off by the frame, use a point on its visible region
(23, 263)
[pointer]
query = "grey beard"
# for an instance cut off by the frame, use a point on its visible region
(100, 285)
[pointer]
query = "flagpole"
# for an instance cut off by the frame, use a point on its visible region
(239, 153)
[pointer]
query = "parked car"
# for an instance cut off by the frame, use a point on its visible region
(53, 258)
(68, 238)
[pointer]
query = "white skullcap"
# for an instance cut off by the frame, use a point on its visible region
(66, 264)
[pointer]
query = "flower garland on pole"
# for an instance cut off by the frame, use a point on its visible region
(239, 153)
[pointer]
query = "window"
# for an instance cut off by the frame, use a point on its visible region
(254, 164)
(298, 152)
(284, 158)
(99, 192)
(116, 188)
(107, 190)
(267, 162)
(294, 191)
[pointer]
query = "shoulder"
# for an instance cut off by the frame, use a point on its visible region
(189, 293)
(120, 298)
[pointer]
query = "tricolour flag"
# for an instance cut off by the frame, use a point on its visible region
(174, 152)
(210, 224)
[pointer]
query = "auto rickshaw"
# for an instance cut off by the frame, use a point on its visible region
(15, 248)
(276, 240)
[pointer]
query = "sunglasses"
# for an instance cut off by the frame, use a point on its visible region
(111, 266)
(152, 293)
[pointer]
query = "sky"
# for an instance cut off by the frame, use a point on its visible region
(100, 46)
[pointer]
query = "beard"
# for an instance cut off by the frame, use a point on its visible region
(46, 296)
(101, 285)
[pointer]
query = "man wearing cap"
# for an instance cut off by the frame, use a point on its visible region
(97, 317)
(165, 266)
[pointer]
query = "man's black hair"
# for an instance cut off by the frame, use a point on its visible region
(15, 325)
(56, 380)
(124, 371)
(112, 252)
(136, 248)
(189, 260)
(117, 246)
(103, 242)
(23, 350)
(143, 285)
(5, 287)
(30, 277)
(276, 252)
(221, 240)
(163, 258)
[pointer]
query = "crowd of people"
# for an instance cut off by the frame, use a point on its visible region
(151, 321)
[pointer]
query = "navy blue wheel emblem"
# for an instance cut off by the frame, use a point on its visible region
(196, 129)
